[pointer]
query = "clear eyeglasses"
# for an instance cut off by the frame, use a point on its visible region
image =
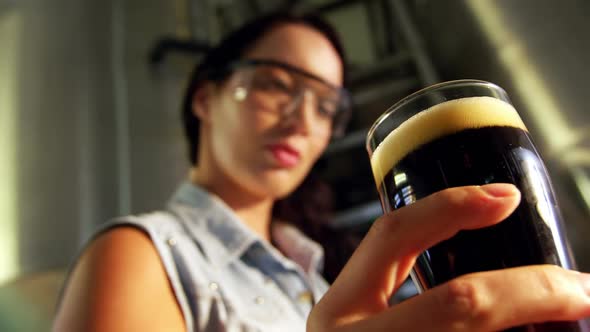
(281, 88)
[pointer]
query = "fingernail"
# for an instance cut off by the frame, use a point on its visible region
(500, 190)
(585, 282)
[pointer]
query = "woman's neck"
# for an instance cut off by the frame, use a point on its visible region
(254, 211)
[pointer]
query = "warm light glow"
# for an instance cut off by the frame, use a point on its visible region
(582, 180)
(10, 25)
(535, 94)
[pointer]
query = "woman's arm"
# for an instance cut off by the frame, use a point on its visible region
(119, 284)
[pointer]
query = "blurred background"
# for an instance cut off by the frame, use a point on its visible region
(90, 93)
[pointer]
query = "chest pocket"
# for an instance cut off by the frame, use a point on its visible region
(235, 297)
(258, 301)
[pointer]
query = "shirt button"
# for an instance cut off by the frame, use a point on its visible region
(305, 297)
(171, 241)
(213, 286)
(259, 300)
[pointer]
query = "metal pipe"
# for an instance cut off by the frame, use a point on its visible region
(355, 216)
(398, 86)
(415, 44)
(121, 107)
(394, 61)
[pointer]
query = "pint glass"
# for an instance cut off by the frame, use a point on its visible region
(462, 133)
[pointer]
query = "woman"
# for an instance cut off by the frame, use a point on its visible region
(260, 110)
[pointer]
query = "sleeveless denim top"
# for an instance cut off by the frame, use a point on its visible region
(224, 276)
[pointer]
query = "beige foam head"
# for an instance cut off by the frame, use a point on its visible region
(440, 120)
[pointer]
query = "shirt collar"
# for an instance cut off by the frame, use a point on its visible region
(298, 247)
(220, 232)
(208, 217)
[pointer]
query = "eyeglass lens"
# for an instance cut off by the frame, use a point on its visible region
(277, 89)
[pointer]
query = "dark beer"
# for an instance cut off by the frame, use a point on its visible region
(474, 141)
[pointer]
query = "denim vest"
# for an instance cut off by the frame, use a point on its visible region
(224, 276)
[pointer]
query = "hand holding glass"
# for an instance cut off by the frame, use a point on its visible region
(463, 133)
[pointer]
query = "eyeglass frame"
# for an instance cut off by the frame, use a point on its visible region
(340, 119)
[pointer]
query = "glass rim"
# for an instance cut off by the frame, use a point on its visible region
(415, 95)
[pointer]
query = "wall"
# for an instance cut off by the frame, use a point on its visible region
(92, 131)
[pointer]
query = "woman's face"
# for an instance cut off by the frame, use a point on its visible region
(263, 151)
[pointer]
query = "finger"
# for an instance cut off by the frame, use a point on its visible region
(383, 259)
(490, 301)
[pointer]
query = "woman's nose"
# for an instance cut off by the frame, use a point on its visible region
(300, 114)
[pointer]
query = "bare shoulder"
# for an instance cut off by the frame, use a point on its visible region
(114, 287)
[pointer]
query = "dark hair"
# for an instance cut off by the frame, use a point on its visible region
(309, 206)
(233, 48)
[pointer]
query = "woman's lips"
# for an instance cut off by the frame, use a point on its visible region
(285, 155)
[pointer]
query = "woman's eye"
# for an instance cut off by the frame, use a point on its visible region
(278, 84)
(328, 108)
(269, 83)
